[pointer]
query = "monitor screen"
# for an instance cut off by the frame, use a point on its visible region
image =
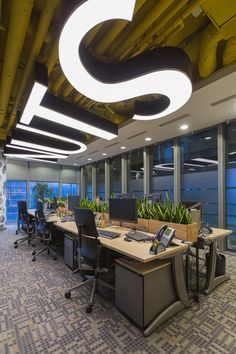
(153, 197)
(123, 209)
(39, 208)
(73, 202)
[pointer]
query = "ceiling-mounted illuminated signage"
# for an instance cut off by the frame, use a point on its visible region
(164, 71)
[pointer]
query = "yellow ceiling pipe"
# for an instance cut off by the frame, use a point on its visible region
(58, 83)
(177, 24)
(67, 90)
(209, 40)
(42, 29)
(144, 24)
(229, 55)
(52, 58)
(15, 41)
(160, 26)
(114, 31)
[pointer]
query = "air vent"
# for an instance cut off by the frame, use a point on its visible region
(174, 120)
(135, 136)
(93, 152)
(108, 146)
(216, 103)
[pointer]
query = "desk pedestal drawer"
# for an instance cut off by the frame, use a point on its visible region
(143, 296)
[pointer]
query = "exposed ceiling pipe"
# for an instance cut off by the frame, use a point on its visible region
(15, 41)
(176, 24)
(42, 29)
(114, 31)
(229, 55)
(144, 24)
(207, 50)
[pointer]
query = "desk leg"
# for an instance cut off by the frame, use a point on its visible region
(178, 305)
(212, 281)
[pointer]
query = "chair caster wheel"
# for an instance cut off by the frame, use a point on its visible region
(54, 258)
(89, 308)
(33, 253)
(67, 294)
(33, 244)
(16, 246)
(33, 259)
(15, 242)
(16, 232)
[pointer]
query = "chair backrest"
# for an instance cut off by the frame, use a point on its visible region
(89, 236)
(39, 209)
(22, 211)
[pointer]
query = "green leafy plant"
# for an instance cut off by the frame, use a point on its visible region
(42, 192)
(61, 202)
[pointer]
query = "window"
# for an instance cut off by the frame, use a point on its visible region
(200, 172)
(116, 175)
(88, 182)
(135, 172)
(231, 183)
(16, 190)
(162, 177)
(100, 179)
(69, 189)
(54, 186)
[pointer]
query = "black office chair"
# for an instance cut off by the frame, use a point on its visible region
(25, 223)
(91, 255)
(43, 231)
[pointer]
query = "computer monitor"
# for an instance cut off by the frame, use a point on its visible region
(123, 209)
(195, 209)
(73, 202)
(153, 197)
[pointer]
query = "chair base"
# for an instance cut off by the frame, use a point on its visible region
(28, 238)
(45, 248)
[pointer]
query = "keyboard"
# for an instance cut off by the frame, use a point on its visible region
(67, 218)
(138, 236)
(108, 234)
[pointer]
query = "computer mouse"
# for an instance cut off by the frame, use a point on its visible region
(127, 239)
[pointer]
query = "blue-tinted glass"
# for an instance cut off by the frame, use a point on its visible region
(200, 172)
(88, 181)
(54, 186)
(135, 172)
(100, 177)
(231, 183)
(69, 189)
(16, 190)
(116, 175)
(162, 177)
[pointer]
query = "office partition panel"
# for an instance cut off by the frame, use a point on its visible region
(199, 163)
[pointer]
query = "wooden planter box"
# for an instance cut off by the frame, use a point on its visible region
(142, 225)
(183, 232)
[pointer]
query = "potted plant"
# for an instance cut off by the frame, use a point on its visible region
(42, 192)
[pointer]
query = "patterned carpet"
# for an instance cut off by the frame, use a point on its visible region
(36, 318)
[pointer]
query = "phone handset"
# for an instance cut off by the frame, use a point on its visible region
(160, 232)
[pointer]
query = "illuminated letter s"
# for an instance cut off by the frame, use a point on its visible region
(164, 71)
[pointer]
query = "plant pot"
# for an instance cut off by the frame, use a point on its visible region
(186, 232)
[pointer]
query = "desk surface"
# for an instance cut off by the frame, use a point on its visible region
(133, 249)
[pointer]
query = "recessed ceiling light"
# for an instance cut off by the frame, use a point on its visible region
(75, 164)
(89, 159)
(104, 154)
(208, 137)
(148, 139)
(184, 127)
(123, 147)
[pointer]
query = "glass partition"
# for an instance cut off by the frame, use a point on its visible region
(54, 186)
(135, 172)
(231, 183)
(69, 189)
(88, 182)
(199, 163)
(100, 178)
(162, 176)
(16, 190)
(115, 175)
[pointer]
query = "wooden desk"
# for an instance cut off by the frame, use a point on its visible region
(212, 280)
